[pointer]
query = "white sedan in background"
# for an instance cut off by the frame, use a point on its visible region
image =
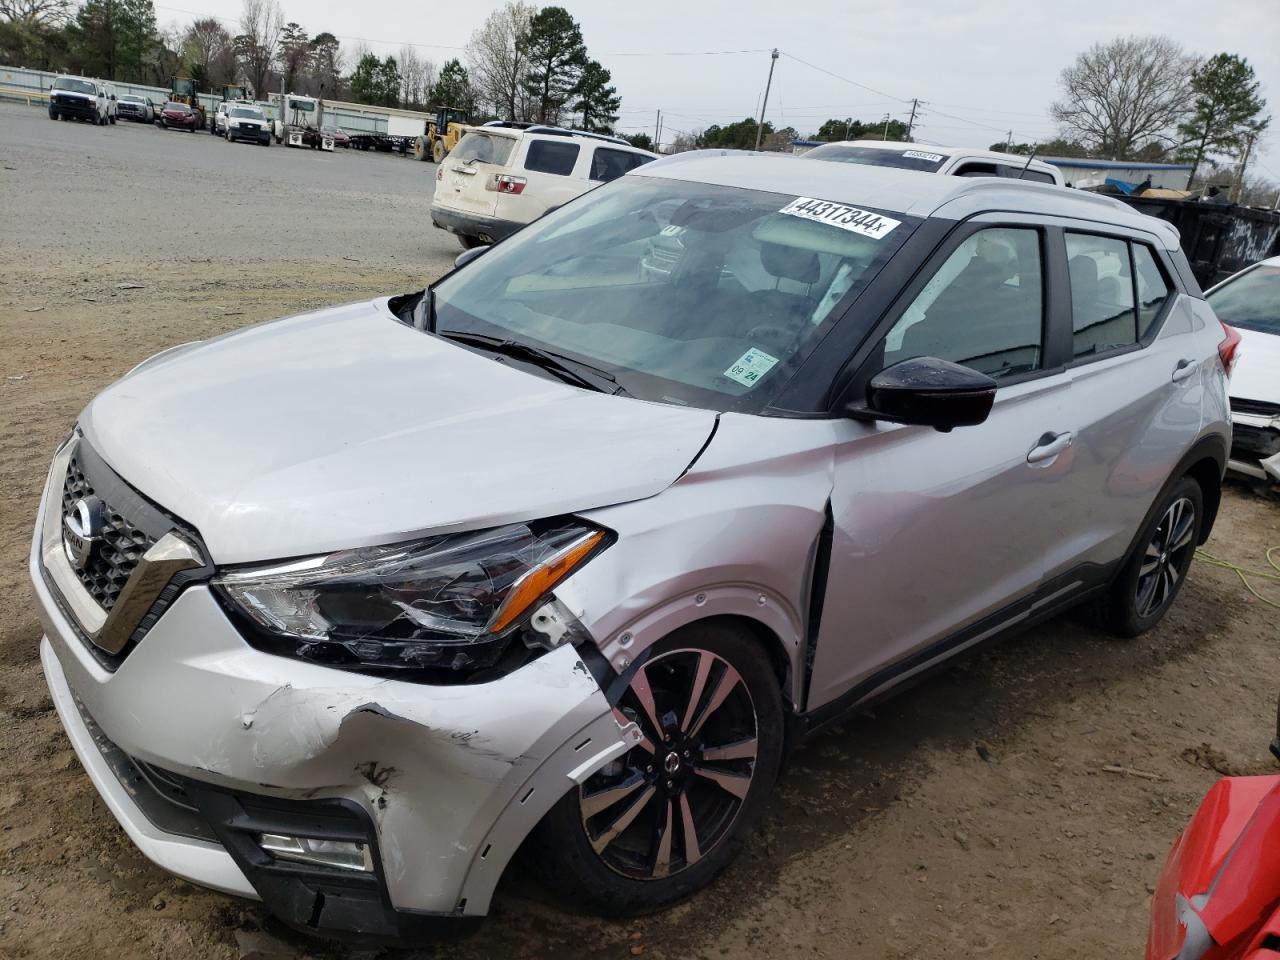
(1250, 302)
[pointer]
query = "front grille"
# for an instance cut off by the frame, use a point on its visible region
(123, 544)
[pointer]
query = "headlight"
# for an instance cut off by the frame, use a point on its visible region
(450, 602)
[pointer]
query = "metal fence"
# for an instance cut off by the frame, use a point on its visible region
(19, 83)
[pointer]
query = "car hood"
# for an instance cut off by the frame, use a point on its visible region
(1257, 372)
(344, 428)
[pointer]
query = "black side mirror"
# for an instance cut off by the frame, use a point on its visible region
(466, 256)
(928, 392)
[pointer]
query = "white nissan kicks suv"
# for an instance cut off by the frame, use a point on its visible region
(343, 609)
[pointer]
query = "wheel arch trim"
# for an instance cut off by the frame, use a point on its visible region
(772, 619)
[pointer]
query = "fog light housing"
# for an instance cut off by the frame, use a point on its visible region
(339, 854)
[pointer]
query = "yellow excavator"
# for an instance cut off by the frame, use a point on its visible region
(441, 135)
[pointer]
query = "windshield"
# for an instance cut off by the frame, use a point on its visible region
(248, 112)
(1251, 300)
(306, 106)
(128, 99)
(902, 158)
(177, 107)
(483, 148)
(687, 293)
(76, 86)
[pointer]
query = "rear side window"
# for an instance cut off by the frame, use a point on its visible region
(1035, 176)
(483, 148)
(609, 164)
(551, 156)
(1102, 310)
(983, 308)
(1153, 289)
(976, 170)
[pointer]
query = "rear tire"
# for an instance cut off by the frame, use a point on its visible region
(651, 828)
(437, 151)
(1148, 583)
(469, 243)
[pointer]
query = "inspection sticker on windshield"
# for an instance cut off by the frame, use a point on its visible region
(919, 155)
(750, 367)
(838, 215)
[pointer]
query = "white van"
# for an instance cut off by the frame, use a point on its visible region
(502, 175)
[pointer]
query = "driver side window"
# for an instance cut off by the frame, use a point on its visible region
(984, 308)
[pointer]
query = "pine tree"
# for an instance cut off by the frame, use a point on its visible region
(556, 56)
(597, 101)
(1226, 107)
(453, 89)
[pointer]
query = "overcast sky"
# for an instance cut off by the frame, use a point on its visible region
(981, 67)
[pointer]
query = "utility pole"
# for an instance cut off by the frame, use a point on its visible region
(1238, 187)
(657, 131)
(1008, 143)
(886, 127)
(764, 104)
(911, 124)
(848, 125)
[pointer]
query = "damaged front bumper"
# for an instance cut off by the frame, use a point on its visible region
(1255, 441)
(441, 784)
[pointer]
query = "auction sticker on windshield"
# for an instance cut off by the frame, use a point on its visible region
(863, 222)
(918, 155)
(750, 367)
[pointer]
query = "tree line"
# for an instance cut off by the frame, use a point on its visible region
(525, 63)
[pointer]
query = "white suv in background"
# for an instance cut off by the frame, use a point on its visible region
(953, 161)
(503, 175)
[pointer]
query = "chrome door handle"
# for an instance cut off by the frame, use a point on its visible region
(1049, 446)
(1184, 369)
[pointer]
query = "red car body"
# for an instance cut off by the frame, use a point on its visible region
(1219, 893)
(184, 119)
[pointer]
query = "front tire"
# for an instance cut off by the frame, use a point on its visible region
(1149, 582)
(664, 819)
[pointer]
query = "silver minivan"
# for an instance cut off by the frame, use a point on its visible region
(568, 549)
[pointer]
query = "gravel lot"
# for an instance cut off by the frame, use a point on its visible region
(892, 836)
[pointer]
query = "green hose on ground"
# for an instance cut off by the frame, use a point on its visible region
(1244, 573)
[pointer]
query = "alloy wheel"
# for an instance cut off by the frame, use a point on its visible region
(669, 801)
(1163, 561)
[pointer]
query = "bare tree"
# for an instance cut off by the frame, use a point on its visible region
(207, 49)
(497, 60)
(45, 12)
(1122, 95)
(261, 23)
(417, 77)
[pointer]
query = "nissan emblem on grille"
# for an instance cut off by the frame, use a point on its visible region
(82, 530)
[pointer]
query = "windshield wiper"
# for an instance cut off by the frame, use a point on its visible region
(424, 311)
(566, 368)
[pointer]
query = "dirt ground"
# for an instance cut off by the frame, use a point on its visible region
(892, 836)
(970, 817)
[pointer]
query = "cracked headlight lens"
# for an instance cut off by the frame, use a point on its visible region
(448, 602)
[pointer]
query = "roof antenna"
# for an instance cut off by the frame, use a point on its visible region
(1034, 148)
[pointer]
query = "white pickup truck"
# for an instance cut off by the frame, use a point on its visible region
(81, 98)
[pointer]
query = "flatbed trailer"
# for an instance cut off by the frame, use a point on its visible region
(382, 142)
